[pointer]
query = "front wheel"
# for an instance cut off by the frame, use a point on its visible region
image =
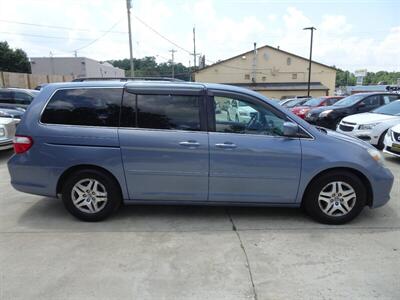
(91, 195)
(335, 197)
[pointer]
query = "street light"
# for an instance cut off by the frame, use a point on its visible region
(309, 63)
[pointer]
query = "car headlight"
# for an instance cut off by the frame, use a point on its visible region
(376, 155)
(367, 126)
(2, 132)
(325, 113)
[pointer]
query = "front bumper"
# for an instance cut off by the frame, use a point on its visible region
(365, 135)
(389, 149)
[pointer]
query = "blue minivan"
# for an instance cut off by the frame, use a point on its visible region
(97, 144)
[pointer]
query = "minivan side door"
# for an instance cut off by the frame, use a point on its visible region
(164, 144)
(252, 162)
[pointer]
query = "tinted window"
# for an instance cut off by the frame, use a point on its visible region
(389, 109)
(389, 98)
(22, 98)
(6, 97)
(242, 116)
(175, 112)
(90, 107)
(372, 100)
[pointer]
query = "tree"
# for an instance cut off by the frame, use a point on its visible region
(148, 67)
(344, 78)
(13, 60)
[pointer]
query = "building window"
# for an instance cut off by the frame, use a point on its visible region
(247, 76)
(294, 76)
(264, 78)
(288, 61)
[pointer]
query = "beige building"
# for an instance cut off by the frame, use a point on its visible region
(272, 72)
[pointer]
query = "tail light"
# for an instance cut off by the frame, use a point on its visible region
(22, 143)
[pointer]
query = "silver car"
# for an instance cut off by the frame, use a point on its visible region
(7, 132)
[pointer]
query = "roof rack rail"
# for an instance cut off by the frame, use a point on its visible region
(127, 79)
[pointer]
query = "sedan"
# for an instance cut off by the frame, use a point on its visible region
(302, 110)
(372, 126)
(392, 141)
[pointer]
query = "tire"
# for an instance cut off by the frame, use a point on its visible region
(97, 205)
(328, 209)
(381, 144)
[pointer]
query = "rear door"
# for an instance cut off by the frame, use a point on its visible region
(164, 144)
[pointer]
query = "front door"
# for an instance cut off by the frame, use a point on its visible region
(250, 159)
(164, 148)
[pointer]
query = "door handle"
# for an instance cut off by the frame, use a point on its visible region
(190, 144)
(226, 146)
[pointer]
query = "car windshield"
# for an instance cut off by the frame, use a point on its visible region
(392, 109)
(295, 103)
(314, 102)
(349, 100)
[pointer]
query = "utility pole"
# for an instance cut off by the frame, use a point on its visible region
(194, 48)
(128, 7)
(309, 63)
(172, 61)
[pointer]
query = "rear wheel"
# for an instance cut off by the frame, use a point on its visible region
(91, 195)
(335, 198)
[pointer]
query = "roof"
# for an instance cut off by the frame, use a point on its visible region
(282, 86)
(262, 47)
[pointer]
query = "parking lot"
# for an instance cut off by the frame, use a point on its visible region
(155, 252)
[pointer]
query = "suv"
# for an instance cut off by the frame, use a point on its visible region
(16, 98)
(330, 116)
(97, 144)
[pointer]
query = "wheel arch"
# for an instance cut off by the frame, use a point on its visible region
(357, 173)
(77, 168)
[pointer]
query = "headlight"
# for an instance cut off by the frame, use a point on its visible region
(2, 132)
(325, 113)
(376, 155)
(367, 126)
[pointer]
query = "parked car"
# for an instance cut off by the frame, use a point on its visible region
(303, 109)
(330, 116)
(392, 141)
(7, 131)
(372, 126)
(103, 143)
(14, 113)
(239, 111)
(295, 102)
(14, 97)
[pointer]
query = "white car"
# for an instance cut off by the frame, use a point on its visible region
(392, 141)
(7, 132)
(239, 111)
(372, 126)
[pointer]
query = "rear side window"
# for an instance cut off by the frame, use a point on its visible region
(88, 107)
(6, 97)
(174, 112)
(22, 98)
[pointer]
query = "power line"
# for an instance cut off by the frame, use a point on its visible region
(161, 35)
(44, 36)
(100, 37)
(60, 27)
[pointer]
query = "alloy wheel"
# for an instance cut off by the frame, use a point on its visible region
(89, 195)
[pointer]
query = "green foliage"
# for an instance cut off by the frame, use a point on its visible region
(13, 60)
(148, 66)
(344, 78)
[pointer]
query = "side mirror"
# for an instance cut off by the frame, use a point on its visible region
(290, 129)
(361, 104)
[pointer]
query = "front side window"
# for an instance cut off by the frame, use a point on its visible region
(245, 117)
(372, 101)
(87, 107)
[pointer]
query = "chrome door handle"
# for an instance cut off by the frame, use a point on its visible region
(190, 144)
(226, 146)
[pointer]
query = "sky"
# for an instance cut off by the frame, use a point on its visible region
(350, 35)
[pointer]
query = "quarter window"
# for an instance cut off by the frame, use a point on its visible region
(245, 117)
(88, 107)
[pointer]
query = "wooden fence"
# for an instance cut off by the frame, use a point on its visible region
(29, 81)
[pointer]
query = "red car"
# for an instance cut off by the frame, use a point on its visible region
(302, 110)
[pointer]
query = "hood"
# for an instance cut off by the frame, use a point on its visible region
(347, 138)
(367, 118)
(320, 109)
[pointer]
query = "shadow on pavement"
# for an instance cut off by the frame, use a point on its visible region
(5, 155)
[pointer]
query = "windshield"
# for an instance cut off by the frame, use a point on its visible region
(314, 102)
(389, 109)
(349, 100)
